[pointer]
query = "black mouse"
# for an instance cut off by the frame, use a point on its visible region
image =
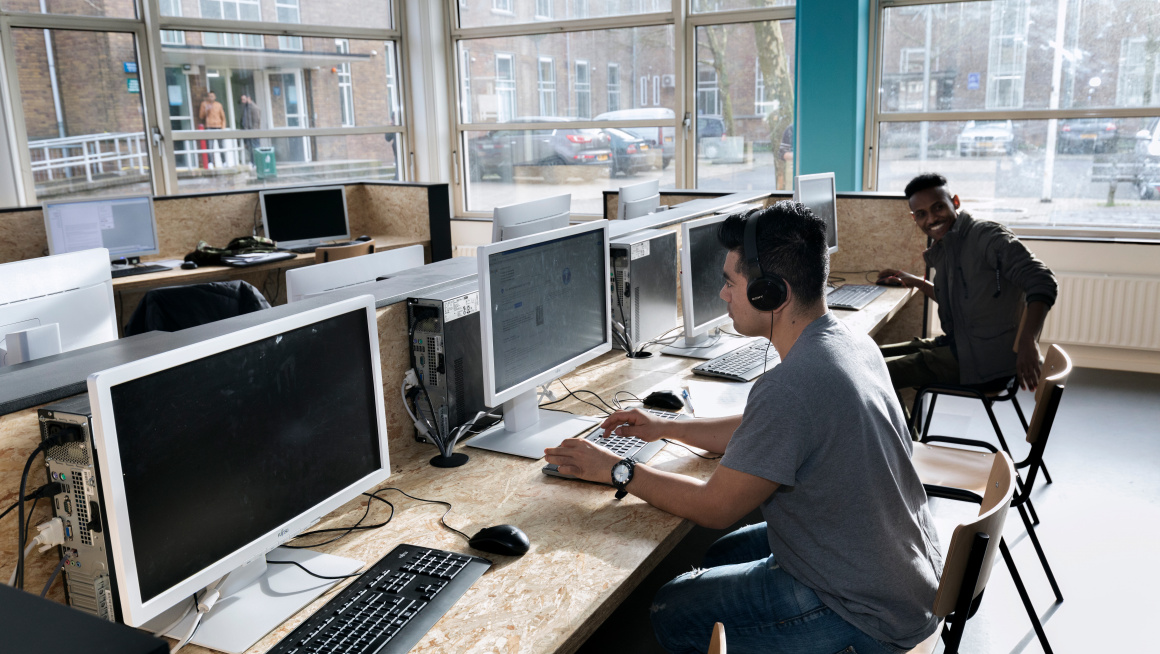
(188, 265)
(507, 540)
(887, 282)
(664, 400)
(363, 238)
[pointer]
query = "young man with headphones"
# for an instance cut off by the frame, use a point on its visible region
(847, 558)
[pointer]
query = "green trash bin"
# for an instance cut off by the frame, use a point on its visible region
(265, 163)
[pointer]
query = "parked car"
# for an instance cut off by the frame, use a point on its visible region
(1148, 158)
(710, 134)
(1086, 135)
(630, 154)
(498, 152)
(656, 137)
(983, 136)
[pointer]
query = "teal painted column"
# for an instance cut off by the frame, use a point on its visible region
(832, 42)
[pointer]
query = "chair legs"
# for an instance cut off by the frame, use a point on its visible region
(1040, 554)
(1035, 623)
(1023, 421)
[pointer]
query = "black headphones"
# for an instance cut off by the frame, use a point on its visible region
(767, 292)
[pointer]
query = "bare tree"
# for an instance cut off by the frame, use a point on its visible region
(774, 63)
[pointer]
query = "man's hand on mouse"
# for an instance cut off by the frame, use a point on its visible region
(582, 458)
(892, 277)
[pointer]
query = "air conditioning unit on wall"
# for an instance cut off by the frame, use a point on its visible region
(668, 81)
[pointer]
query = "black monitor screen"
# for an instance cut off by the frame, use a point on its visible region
(707, 263)
(306, 215)
(548, 305)
(218, 452)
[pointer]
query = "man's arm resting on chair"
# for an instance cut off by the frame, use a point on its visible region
(1027, 367)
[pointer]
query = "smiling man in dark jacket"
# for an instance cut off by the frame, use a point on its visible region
(984, 280)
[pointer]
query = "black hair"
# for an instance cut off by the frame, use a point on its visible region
(791, 242)
(923, 182)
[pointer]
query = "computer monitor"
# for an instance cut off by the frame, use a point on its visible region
(528, 218)
(303, 217)
(545, 310)
(817, 193)
(702, 266)
(212, 455)
(309, 281)
(123, 226)
(638, 200)
(73, 291)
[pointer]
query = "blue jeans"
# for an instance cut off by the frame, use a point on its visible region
(763, 608)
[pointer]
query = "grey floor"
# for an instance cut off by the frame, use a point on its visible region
(1100, 528)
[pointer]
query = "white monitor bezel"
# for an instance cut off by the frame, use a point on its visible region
(551, 207)
(797, 182)
(688, 315)
(135, 611)
(492, 396)
(305, 241)
(140, 253)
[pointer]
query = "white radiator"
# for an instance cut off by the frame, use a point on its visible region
(464, 250)
(1106, 310)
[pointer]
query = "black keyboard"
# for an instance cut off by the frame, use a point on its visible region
(137, 270)
(743, 364)
(307, 249)
(390, 607)
(853, 296)
(623, 446)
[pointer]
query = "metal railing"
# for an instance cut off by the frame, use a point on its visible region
(93, 155)
(209, 153)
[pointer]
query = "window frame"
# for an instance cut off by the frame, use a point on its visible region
(583, 89)
(546, 88)
(613, 88)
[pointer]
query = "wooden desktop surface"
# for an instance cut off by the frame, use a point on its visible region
(589, 551)
(179, 276)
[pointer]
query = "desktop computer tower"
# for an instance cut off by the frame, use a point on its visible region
(645, 279)
(446, 354)
(88, 571)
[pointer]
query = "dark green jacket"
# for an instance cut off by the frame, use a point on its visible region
(983, 278)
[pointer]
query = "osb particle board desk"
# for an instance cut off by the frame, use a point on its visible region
(589, 551)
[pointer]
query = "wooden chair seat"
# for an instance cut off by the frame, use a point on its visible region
(951, 467)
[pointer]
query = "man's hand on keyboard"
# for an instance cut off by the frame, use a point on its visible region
(634, 422)
(582, 458)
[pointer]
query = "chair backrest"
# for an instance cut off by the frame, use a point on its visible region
(992, 515)
(717, 640)
(357, 249)
(1052, 380)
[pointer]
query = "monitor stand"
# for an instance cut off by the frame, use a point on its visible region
(706, 346)
(527, 429)
(256, 598)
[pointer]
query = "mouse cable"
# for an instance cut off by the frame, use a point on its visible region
(48, 490)
(602, 409)
(314, 574)
(358, 526)
(594, 394)
(631, 398)
(695, 452)
(442, 518)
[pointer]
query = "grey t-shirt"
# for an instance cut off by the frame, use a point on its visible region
(850, 519)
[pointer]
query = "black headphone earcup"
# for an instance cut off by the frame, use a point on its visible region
(766, 293)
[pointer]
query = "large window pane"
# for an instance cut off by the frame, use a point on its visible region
(81, 95)
(706, 6)
(227, 164)
(1001, 55)
(110, 8)
(1104, 173)
(345, 13)
(486, 13)
(327, 83)
(516, 165)
(522, 77)
(745, 101)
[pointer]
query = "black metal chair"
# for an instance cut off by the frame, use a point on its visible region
(962, 474)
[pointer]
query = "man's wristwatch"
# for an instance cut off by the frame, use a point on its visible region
(621, 475)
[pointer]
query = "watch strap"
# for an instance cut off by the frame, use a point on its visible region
(622, 487)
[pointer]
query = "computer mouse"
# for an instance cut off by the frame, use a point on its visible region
(507, 540)
(188, 265)
(664, 400)
(363, 238)
(887, 282)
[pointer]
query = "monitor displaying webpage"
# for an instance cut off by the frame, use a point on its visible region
(124, 226)
(548, 305)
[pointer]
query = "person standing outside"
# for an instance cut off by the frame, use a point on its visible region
(847, 558)
(213, 116)
(251, 119)
(984, 281)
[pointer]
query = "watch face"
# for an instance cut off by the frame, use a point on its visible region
(620, 473)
